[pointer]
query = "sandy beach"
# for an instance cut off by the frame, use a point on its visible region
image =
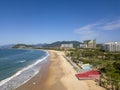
(58, 75)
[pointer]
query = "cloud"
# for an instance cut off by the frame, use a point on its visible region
(114, 25)
(93, 30)
(88, 31)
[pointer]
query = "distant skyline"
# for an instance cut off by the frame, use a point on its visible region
(46, 21)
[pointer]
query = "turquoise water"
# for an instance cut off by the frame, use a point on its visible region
(13, 60)
(87, 67)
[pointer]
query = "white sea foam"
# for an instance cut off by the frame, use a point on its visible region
(22, 61)
(22, 76)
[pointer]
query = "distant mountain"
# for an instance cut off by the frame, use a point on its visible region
(7, 46)
(58, 44)
(22, 46)
(45, 45)
(39, 45)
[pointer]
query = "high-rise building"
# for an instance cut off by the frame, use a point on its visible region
(112, 46)
(86, 41)
(90, 43)
(94, 43)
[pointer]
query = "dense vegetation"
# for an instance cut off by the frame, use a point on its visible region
(108, 63)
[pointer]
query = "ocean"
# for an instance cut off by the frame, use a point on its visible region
(17, 66)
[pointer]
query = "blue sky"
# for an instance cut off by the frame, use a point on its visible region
(46, 21)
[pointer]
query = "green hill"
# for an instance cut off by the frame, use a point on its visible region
(22, 46)
(58, 44)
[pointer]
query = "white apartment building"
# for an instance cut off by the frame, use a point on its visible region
(83, 45)
(66, 46)
(112, 46)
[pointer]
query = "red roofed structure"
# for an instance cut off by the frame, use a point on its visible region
(92, 74)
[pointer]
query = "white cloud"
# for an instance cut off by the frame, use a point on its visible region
(91, 31)
(88, 31)
(114, 25)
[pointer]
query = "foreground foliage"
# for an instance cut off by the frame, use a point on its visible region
(108, 63)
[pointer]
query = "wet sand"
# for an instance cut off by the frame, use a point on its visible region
(58, 75)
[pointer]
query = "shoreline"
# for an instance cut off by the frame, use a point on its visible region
(24, 75)
(37, 79)
(58, 75)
